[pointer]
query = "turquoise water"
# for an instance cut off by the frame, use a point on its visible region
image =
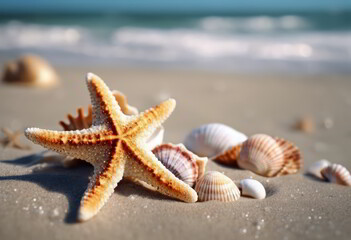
(305, 42)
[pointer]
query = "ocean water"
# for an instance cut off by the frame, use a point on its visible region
(300, 43)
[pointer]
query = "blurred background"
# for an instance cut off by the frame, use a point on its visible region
(302, 36)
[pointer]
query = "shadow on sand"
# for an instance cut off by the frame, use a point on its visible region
(70, 182)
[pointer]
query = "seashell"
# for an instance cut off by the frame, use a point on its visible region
(156, 138)
(337, 173)
(269, 156)
(79, 122)
(252, 188)
(316, 168)
(30, 70)
(216, 186)
(306, 124)
(178, 160)
(123, 103)
(212, 139)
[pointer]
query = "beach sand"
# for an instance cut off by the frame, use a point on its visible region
(41, 201)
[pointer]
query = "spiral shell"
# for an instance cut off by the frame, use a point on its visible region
(178, 160)
(212, 139)
(316, 168)
(252, 188)
(216, 186)
(337, 173)
(30, 70)
(269, 156)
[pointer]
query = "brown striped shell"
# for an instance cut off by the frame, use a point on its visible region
(179, 161)
(216, 186)
(269, 156)
(337, 173)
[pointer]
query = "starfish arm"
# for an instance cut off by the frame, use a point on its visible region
(145, 124)
(144, 166)
(101, 186)
(105, 108)
(82, 144)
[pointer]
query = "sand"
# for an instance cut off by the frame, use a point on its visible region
(40, 201)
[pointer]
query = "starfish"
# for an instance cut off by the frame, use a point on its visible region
(12, 139)
(115, 146)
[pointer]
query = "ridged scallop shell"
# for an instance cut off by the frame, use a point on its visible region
(269, 156)
(216, 186)
(316, 168)
(337, 173)
(178, 160)
(212, 139)
(30, 70)
(252, 188)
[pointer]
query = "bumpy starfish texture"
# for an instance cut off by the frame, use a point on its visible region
(115, 146)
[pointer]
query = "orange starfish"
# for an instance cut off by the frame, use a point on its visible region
(115, 146)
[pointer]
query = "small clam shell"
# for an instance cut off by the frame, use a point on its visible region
(216, 186)
(337, 173)
(178, 160)
(212, 139)
(252, 188)
(30, 70)
(316, 168)
(269, 156)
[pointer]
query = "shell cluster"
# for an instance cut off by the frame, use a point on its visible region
(331, 172)
(260, 153)
(30, 70)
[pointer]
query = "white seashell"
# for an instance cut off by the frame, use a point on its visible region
(337, 173)
(178, 160)
(156, 138)
(316, 168)
(212, 139)
(269, 156)
(216, 186)
(252, 188)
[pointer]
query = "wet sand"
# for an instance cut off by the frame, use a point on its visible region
(41, 201)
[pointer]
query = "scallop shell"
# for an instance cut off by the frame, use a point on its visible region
(269, 156)
(30, 70)
(316, 168)
(178, 160)
(212, 139)
(252, 188)
(337, 173)
(216, 186)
